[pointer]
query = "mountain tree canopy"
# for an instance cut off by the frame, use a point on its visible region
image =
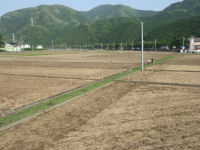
(103, 24)
(1, 41)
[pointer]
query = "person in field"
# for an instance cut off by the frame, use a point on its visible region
(149, 61)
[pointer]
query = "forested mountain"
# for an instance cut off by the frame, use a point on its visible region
(178, 29)
(104, 31)
(104, 12)
(177, 11)
(102, 24)
(48, 23)
(187, 8)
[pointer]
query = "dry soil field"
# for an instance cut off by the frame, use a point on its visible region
(31, 77)
(160, 111)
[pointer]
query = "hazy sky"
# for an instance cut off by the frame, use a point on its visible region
(10, 5)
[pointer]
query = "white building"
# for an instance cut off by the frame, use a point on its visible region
(194, 45)
(165, 47)
(39, 47)
(13, 47)
(27, 46)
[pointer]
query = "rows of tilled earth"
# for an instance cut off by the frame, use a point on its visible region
(122, 115)
(29, 79)
(183, 69)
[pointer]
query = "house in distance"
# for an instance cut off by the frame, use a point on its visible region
(13, 47)
(27, 46)
(194, 45)
(39, 47)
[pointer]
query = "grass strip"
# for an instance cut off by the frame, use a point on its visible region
(27, 112)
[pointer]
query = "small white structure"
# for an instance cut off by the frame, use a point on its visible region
(13, 47)
(194, 45)
(27, 46)
(165, 47)
(148, 61)
(39, 47)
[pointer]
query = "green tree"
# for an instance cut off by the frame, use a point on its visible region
(1, 41)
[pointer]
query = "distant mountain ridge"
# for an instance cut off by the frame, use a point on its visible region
(101, 24)
(45, 17)
(104, 12)
(177, 11)
(52, 21)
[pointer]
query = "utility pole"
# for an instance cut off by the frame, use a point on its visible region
(52, 45)
(114, 45)
(121, 45)
(13, 37)
(142, 58)
(132, 45)
(155, 45)
(183, 43)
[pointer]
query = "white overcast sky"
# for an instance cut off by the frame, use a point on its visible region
(84, 5)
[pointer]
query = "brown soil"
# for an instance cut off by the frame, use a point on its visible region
(89, 59)
(166, 77)
(45, 130)
(19, 91)
(184, 59)
(147, 117)
(70, 73)
(128, 116)
(29, 79)
(121, 116)
(171, 72)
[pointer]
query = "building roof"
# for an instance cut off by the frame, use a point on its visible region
(13, 43)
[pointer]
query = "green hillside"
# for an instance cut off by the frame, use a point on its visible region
(177, 11)
(104, 12)
(187, 8)
(103, 31)
(49, 22)
(178, 29)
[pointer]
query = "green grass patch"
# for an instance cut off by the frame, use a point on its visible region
(68, 96)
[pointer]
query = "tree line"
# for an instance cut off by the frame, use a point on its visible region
(1, 41)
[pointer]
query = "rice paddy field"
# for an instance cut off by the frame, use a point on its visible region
(155, 109)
